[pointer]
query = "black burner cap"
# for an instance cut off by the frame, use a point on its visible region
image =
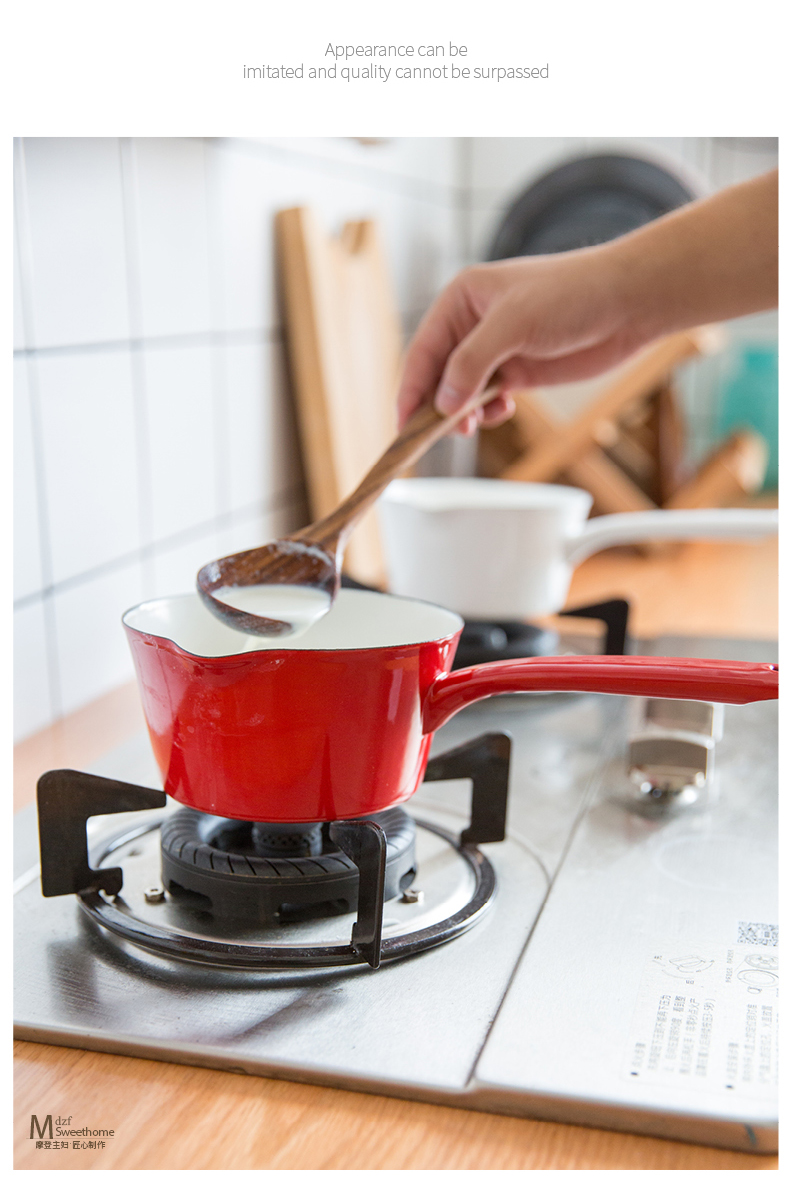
(216, 865)
(482, 642)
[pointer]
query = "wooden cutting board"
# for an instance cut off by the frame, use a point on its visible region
(344, 340)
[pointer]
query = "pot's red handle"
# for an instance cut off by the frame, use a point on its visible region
(730, 681)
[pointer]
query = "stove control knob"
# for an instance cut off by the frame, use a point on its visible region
(670, 769)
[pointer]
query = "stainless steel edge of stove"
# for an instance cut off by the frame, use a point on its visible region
(675, 1125)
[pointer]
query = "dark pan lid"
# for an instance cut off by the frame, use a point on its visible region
(587, 201)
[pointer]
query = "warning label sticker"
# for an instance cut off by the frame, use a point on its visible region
(708, 1019)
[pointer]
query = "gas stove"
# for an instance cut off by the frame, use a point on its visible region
(574, 918)
(263, 896)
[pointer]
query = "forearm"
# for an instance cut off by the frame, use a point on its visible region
(558, 318)
(709, 261)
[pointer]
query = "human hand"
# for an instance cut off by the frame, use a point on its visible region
(533, 320)
(557, 318)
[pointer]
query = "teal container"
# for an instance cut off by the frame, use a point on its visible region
(749, 399)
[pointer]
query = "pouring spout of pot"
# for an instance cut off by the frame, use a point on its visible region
(728, 682)
(633, 527)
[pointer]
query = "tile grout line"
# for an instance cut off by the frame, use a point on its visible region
(219, 362)
(464, 207)
(247, 336)
(253, 336)
(145, 517)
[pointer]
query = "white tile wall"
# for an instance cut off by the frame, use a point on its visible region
(430, 161)
(20, 340)
(75, 218)
(92, 653)
(33, 701)
(261, 431)
(181, 438)
(242, 202)
(154, 428)
(88, 449)
(171, 222)
(28, 577)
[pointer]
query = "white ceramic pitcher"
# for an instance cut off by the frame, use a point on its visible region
(505, 551)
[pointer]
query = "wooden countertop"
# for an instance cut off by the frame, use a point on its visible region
(168, 1116)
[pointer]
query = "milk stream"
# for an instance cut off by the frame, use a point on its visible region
(299, 605)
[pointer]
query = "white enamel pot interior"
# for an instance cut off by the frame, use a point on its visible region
(505, 551)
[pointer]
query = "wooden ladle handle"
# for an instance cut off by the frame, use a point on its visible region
(423, 429)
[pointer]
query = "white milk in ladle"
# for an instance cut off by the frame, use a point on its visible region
(299, 605)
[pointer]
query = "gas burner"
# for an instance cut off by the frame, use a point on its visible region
(275, 873)
(482, 642)
(223, 902)
(172, 925)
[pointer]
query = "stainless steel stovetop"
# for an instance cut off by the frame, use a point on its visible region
(625, 975)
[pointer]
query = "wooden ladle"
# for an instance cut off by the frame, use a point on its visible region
(312, 557)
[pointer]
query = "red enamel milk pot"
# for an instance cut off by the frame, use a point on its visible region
(339, 724)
